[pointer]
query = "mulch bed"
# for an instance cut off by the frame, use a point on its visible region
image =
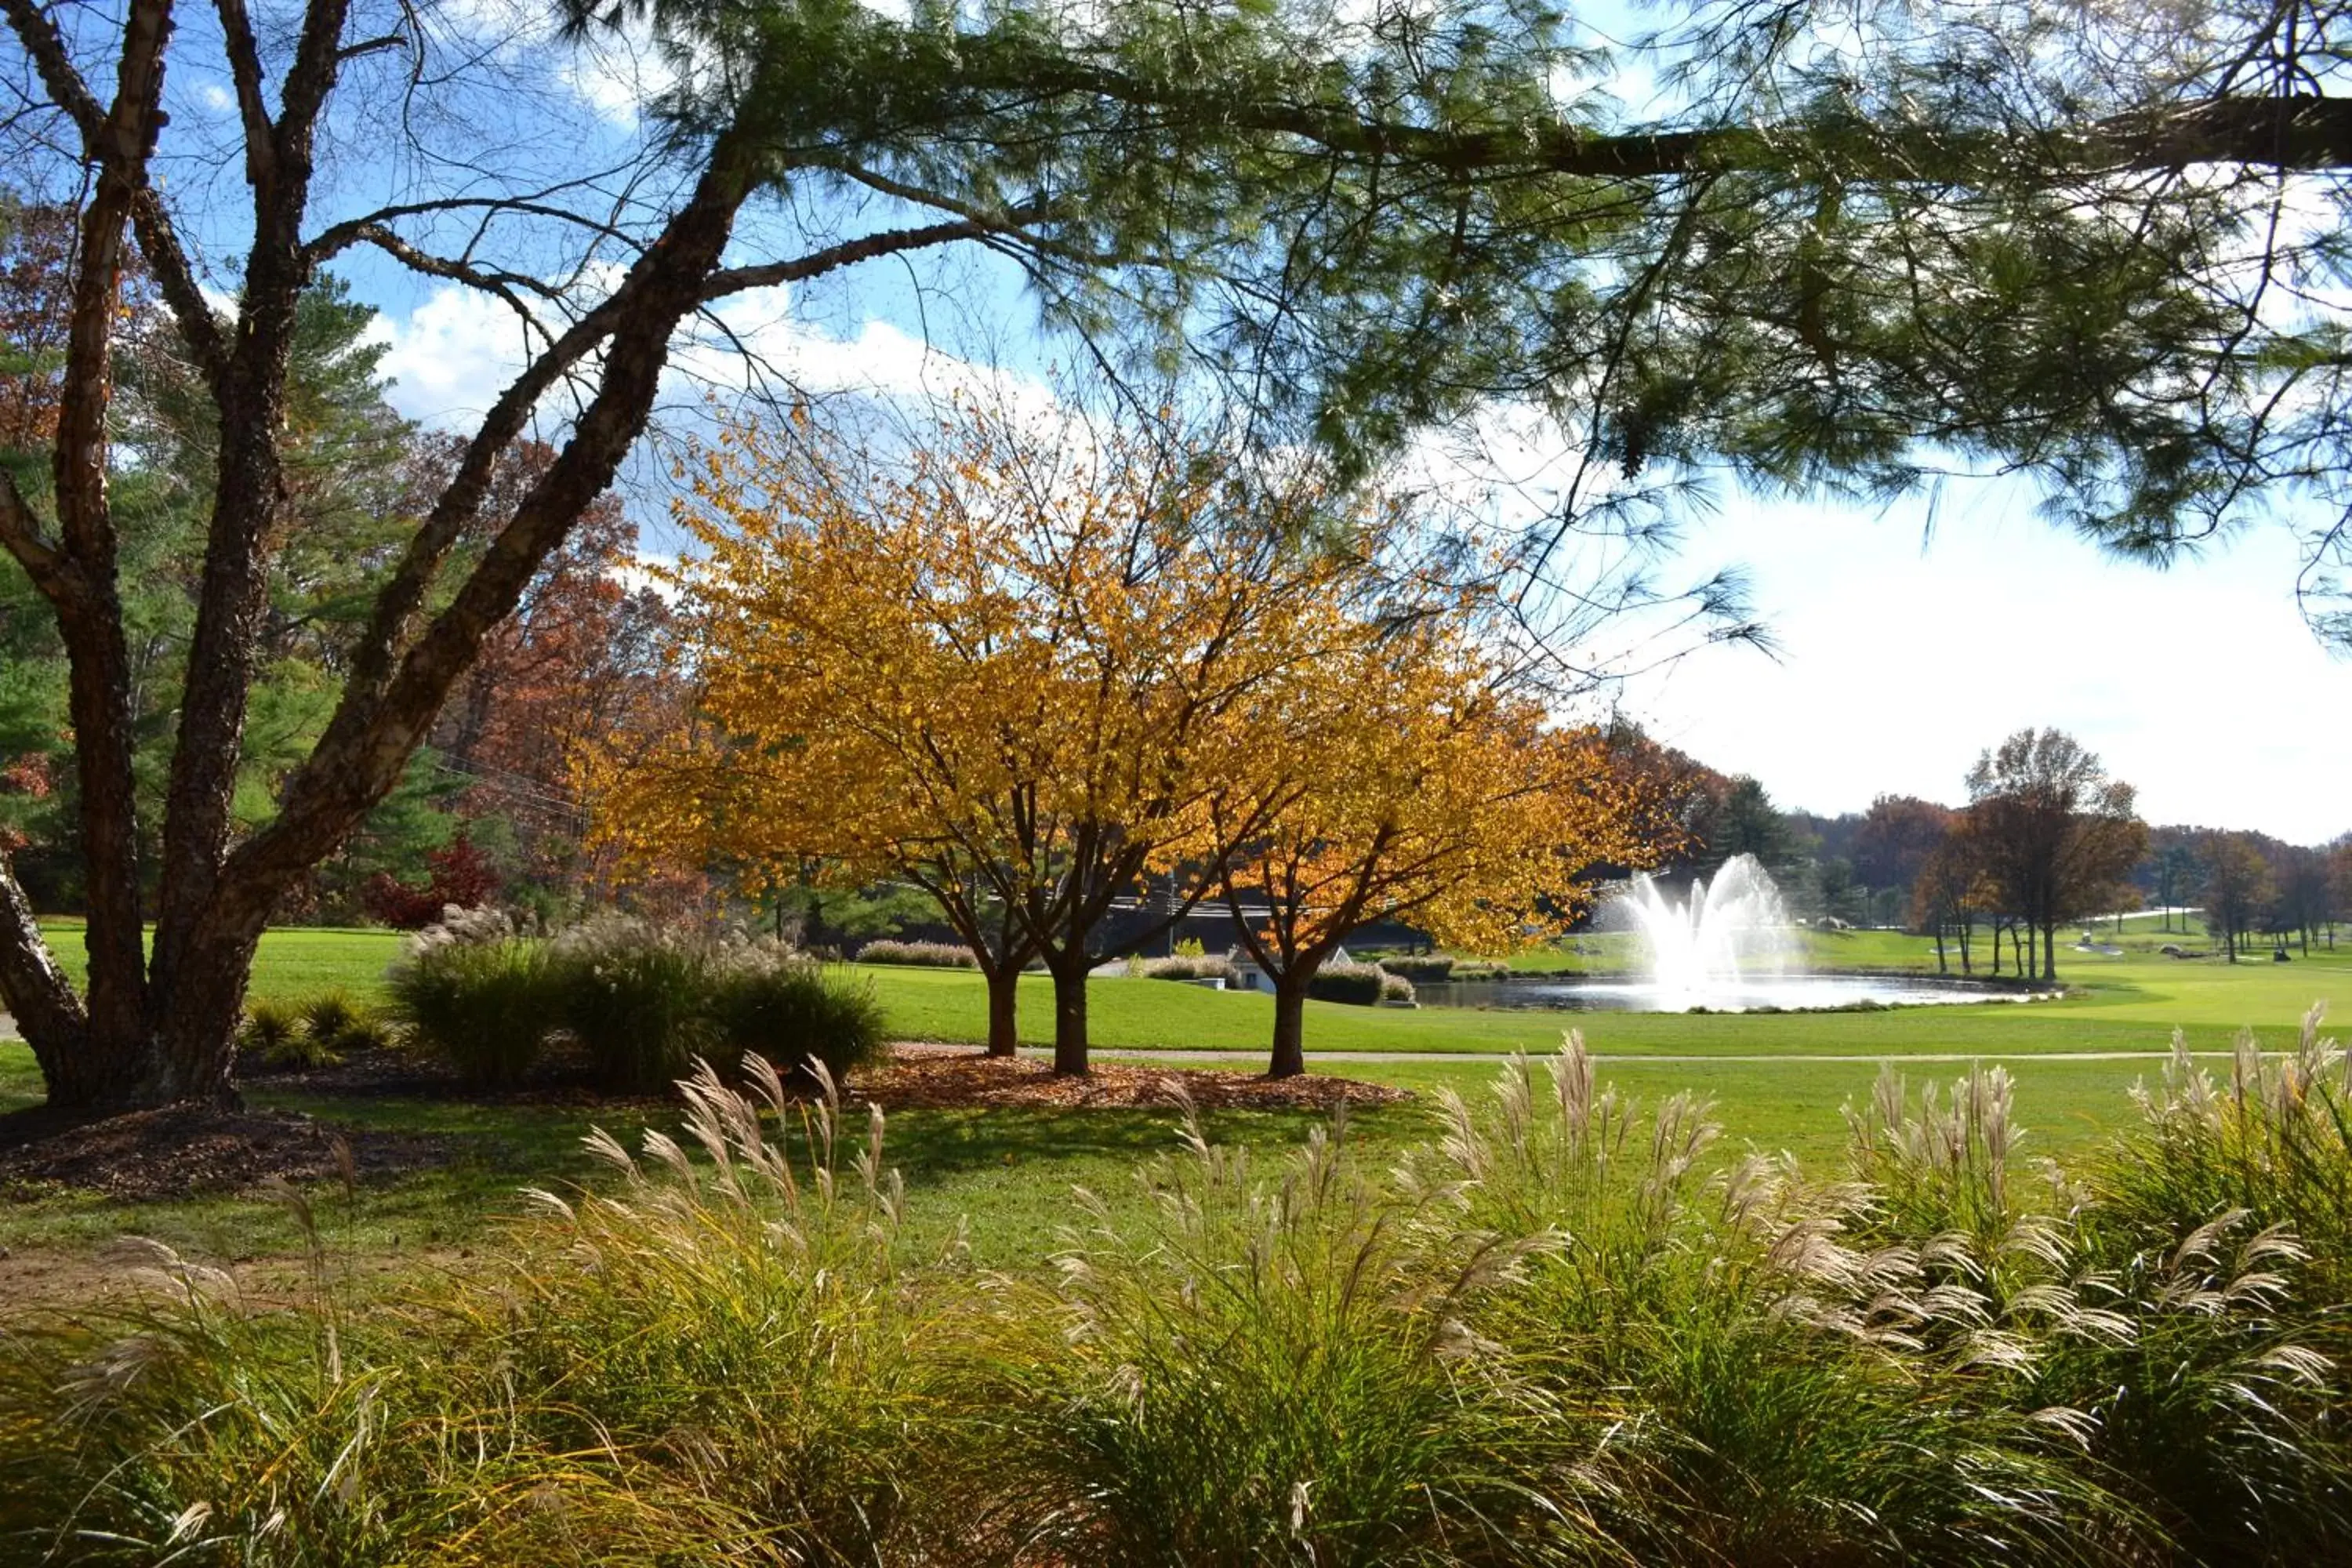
(946, 1078)
(183, 1151)
(180, 1150)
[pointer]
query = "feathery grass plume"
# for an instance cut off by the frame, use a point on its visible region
(735, 1319)
(1267, 1369)
(188, 1426)
(1946, 1167)
(716, 1364)
(1731, 1377)
(634, 995)
(2276, 1140)
(2221, 1225)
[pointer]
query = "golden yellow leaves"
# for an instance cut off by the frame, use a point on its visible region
(1017, 643)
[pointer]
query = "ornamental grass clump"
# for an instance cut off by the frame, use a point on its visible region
(1736, 1379)
(1422, 969)
(793, 1011)
(917, 954)
(1190, 966)
(1361, 984)
(484, 1007)
(1564, 1329)
(1263, 1369)
(634, 997)
(715, 1363)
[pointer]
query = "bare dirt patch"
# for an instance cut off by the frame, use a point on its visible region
(942, 1077)
(180, 1150)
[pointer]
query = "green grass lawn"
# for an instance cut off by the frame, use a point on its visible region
(2130, 1002)
(292, 963)
(1008, 1174)
(1005, 1177)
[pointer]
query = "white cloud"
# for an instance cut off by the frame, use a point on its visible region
(2201, 686)
(452, 356)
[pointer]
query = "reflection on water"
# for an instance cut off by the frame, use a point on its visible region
(1740, 995)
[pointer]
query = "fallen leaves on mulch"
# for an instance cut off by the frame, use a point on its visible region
(180, 1151)
(946, 1079)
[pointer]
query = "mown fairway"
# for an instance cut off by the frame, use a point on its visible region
(1010, 1174)
(2126, 1004)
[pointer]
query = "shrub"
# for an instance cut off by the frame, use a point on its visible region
(484, 1007)
(460, 877)
(1358, 984)
(920, 955)
(1395, 988)
(787, 1010)
(636, 999)
(1191, 966)
(276, 1039)
(1422, 969)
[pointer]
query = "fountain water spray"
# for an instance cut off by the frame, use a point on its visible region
(1726, 931)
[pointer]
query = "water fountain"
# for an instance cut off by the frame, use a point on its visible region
(1727, 946)
(1707, 950)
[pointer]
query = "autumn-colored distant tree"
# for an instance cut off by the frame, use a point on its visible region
(580, 661)
(2304, 900)
(2237, 887)
(1896, 838)
(1011, 663)
(36, 248)
(1671, 794)
(2053, 833)
(1948, 891)
(1407, 785)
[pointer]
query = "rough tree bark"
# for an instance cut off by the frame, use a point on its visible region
(1068, 966)
(153, 1032)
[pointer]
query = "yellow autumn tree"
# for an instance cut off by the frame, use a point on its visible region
(1416, 786)
(1014, 662)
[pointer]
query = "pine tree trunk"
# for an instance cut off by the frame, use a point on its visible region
(1290, 1027)
(1003, 1011)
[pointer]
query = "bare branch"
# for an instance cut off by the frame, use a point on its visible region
(331, 241)
(493, 280)
(21, 535)
(893, 242)
(67, 89)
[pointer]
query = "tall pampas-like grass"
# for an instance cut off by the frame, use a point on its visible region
(1566, 1328)
(714, 1361)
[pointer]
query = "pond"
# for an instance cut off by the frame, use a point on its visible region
(1743, 994)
